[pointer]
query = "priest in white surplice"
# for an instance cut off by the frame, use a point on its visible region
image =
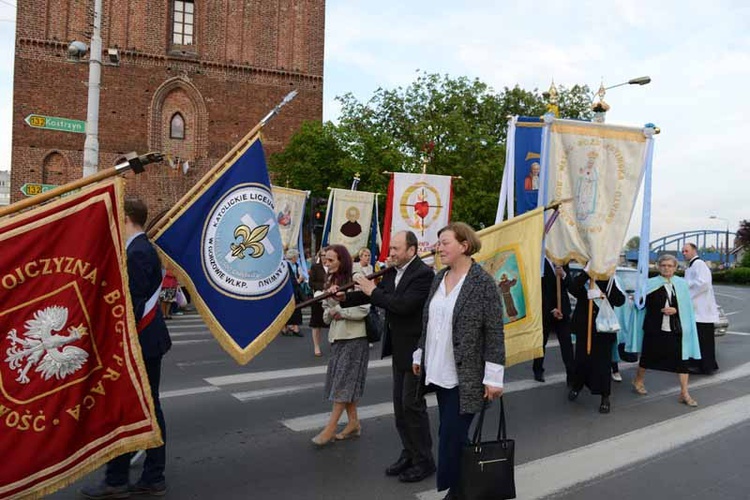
(698, 276)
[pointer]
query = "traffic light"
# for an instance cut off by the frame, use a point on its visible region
(319, 206)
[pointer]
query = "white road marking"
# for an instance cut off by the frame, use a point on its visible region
(204, 333)
(277, 391)
(739, 333)
(549, 475)
(720, 377)
(184, 342)
(203, 362)
(316, 421)
(732, 313)
(728, 295)
(188, 392)
(246, 378)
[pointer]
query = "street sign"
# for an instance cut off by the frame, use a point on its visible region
(32, 188)
(55, 123)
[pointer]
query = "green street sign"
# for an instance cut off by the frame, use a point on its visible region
(55, 123)
(32, 188)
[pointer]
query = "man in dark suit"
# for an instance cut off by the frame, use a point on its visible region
(402, 294)
(145, 276)
(554, 319)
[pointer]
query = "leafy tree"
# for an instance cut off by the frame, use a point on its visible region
(457, 126)
(633, 243)
(745, 262)
(743, 233)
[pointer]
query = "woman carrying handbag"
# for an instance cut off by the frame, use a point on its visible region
(461, 352)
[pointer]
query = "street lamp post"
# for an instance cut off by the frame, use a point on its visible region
(600, 107)
(726, 240)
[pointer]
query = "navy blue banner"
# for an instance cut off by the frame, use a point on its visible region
(225, 246)
(527, 161)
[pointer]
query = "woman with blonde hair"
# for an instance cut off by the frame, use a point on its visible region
(363, 265)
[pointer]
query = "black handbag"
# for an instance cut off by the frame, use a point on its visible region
(487, 467)
(373, 325)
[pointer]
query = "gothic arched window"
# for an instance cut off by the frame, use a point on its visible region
(177, 127)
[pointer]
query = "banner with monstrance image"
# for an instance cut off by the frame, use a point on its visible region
(601, 168)
(349, 219)
(290, 212)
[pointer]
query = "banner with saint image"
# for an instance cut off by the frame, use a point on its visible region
(290, 213)
(601, 168)
(349, 219)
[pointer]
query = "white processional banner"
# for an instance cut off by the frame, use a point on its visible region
(351, 218)
(290, 212)
(600, 167)
(421, 203)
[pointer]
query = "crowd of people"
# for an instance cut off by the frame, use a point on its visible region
(444, 333)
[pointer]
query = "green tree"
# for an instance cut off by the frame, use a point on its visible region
(633, 243)
(456, 125)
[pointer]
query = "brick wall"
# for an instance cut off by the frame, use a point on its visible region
(248, 55)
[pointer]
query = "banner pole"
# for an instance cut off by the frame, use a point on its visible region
(249, 137)
(353, 284)
(590, 319)
(133, 162)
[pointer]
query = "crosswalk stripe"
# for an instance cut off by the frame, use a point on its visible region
(246, 378)
(277, 391)
(563, 471)
(186, 342)
(188, 392)
(204, 333)
(310, 422)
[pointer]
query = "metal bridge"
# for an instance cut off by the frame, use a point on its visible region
(711, 245)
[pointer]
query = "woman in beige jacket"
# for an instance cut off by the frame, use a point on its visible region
(347, 368)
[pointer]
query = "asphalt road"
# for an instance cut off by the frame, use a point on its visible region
(244, 432)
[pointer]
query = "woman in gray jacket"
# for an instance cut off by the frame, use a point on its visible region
(462, 352)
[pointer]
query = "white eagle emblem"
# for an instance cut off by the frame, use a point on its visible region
(40, 346)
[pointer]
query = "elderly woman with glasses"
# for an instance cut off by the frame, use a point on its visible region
(669, 334)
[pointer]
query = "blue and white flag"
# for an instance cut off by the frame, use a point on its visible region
(522, 173)
(225, 245)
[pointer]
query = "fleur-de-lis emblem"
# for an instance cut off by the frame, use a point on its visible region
(249, 240)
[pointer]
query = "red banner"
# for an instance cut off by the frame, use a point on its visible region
(73, 390)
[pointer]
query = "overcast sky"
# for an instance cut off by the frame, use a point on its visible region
(697, 54)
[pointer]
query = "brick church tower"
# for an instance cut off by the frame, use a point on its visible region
(187, 78)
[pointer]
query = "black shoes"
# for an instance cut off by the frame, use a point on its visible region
(604, 407)
(539, 377)
(398, 466)
(103, 490)
(450, 496)
(572, 395)
(416, 473)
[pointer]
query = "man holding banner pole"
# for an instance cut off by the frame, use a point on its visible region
(402, 294)
(145, 276)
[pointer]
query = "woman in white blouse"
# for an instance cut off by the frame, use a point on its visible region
(461, 353)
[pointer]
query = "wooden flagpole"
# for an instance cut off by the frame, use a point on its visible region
(211, 174)
(133, 162)
(351, 284)
(592, 286)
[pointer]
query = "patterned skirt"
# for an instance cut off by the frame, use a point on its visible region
(347, 370)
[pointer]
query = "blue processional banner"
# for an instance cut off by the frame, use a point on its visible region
(225, 246)
(527, 164)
